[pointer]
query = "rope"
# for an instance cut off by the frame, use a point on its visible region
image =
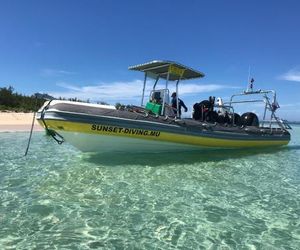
(32, 125)
(30, 135)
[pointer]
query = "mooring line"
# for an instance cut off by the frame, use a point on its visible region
(30, 135)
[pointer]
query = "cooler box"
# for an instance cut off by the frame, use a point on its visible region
(154, 107)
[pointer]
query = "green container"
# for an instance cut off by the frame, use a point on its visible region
(154, 107)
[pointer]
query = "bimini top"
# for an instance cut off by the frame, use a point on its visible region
(162, 68)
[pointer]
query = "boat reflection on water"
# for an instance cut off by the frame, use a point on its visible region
(180, 158)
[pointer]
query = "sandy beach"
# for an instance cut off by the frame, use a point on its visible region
(12, 122)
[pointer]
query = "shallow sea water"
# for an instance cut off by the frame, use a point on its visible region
(59, 198)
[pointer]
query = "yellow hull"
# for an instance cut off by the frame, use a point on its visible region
(62, 126)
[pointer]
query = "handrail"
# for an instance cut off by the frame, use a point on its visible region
(269, 106)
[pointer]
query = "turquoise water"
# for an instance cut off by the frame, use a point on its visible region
(57, 197)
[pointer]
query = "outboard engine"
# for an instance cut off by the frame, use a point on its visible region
(249, 119)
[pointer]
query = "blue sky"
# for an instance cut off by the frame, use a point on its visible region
(83, 48)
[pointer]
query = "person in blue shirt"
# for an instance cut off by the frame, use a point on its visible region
(174, 104)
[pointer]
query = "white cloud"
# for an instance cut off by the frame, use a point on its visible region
(55, 72)
(109, 92)
(291, 75)
(124, 91)
(197, 88)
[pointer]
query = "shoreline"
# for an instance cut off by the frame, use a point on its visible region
(18, 122)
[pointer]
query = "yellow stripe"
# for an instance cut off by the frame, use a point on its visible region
(163, 136)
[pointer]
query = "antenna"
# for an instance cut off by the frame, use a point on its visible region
(250, 82)
(249, 72)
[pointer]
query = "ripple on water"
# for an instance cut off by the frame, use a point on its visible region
(60, 198)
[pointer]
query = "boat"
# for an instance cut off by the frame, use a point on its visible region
(155, 125)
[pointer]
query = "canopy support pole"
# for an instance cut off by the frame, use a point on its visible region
(156, 80)
(164, 97)
(143, 94)
(177, 101)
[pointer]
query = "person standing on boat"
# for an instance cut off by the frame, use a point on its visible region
(174, 104)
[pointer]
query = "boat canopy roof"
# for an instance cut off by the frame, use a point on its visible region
(162, 69)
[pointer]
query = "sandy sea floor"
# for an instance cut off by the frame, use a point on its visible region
(60, 198)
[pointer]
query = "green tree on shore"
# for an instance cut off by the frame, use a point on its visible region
(13, 101)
